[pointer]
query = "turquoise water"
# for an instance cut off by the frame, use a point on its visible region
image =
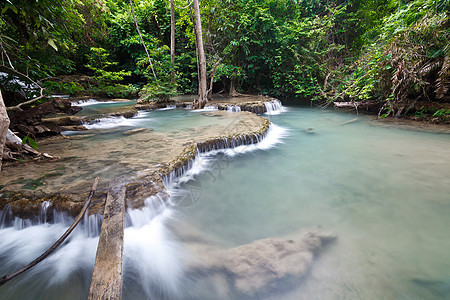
(384, 191)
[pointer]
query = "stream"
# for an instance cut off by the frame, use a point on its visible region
(381, 190)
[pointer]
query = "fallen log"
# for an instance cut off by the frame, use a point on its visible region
(106, 282)
(358, 105)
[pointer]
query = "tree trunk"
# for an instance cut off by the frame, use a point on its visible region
(172, 40)
(4, 125)
(202, 85)
(211, 83)
(233, 86)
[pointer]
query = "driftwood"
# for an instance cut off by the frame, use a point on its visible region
(348, 122)
(357, 105)
(50, 250)
(14, 147)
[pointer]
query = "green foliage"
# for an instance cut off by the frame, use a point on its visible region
(408, 62)
(394, 52)
(106, 80)
(158, 91)
(71, 88)
(98, 62)
(441, 113)
(114, 90)
(30, 142)
(38, 36)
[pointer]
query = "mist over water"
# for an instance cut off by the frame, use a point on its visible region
(384, 191)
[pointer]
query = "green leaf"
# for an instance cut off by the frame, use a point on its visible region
(30, 141)
(51, 42)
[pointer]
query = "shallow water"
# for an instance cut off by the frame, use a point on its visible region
(110, 148)
(382, 190)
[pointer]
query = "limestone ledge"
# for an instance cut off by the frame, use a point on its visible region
(27, 204)
(254, 106)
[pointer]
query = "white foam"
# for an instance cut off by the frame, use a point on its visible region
(110, 122)
(24, 241)
(206, 108)
(168, 107)
(274, 136)
(274, 107)
(153, 257)
(89, 102)
(113, 122)
(204, 161)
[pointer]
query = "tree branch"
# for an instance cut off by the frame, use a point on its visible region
(142, 40)
(185, 6)
(5, 53)
(41, 92)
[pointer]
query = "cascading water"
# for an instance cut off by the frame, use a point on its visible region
(274, 107)
(150, 246)
(378, 188)
(233, 108)
(153, 259)
(65, 272)
(89, 102)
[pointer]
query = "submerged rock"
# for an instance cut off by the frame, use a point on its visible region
(137, 130)
(263, 265)
(145, 105)
(73, 128)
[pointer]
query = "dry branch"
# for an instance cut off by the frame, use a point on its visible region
(41, 90)
(142, 40)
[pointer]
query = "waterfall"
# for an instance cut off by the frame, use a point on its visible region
(274, 107)
(85, 102)
(113, 122)
(153, 257)
(233, 108)
(168, 107)
(66, 271)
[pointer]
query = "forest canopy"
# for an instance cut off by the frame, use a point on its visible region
(393, 52)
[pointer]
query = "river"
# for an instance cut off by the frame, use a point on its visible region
(382, 190)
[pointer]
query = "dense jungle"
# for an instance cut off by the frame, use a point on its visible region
(236, 149)
(392, 53)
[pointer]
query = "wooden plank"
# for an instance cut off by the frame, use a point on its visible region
(106, 280)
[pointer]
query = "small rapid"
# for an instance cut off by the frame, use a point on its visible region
(274, 107)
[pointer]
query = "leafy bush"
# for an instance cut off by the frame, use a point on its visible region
(99, 61)
(114, 91)
(409, 62)
(71, 88)
(158, 91)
